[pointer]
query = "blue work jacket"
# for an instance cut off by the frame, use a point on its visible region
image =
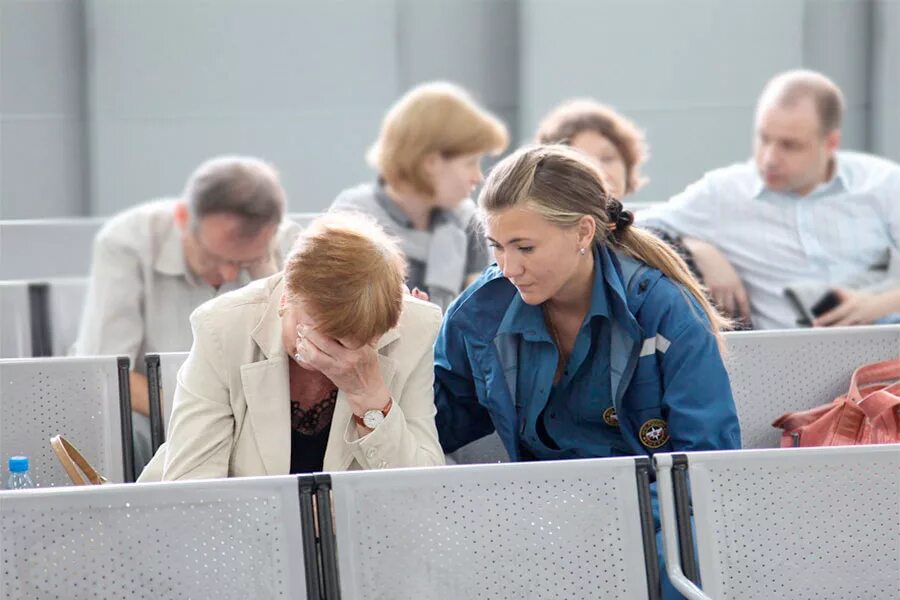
(669, 386)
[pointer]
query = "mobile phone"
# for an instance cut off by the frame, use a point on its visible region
(804, 319)
(826, 303)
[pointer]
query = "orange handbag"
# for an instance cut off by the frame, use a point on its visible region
(869, 413)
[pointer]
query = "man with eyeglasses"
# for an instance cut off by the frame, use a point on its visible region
(155, 263)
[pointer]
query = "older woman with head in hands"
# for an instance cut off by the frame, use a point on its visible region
(325, 366)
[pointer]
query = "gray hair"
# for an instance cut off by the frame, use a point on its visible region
(246, 187)
(790, 87)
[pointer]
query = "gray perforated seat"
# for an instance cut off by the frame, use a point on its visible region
(74, 397)
(799, 523)
(224, 539)
(774, 372)
(566, 530)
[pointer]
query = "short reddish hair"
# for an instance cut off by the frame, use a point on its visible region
(576, 116)
(350, 275)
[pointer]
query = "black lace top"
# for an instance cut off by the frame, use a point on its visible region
(309, 434)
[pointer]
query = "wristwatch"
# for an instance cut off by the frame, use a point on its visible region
(373, 417)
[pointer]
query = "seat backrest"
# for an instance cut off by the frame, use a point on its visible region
(223, 539)
(74, 397)
(66, 298)
(169, 363)
(562, 529)
(41, 248)
(798, 523)
(15, 320)
(774, 372)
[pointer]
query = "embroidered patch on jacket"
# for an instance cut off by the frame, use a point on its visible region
(610, 417)
(654, 433)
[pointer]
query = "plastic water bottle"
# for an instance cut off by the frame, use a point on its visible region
(19, 479)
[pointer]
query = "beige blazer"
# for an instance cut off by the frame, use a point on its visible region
(231, 412)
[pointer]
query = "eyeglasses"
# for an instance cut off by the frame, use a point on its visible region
(211, 259)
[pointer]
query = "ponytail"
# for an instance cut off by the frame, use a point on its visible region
(644, 246)
(564, 186)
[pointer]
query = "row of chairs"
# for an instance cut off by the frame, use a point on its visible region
(38, 249)
(44, 266)
(33, 249)
(40, 317)
(768, 523)
(771, 373)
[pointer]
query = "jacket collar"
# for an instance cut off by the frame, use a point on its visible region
(528, 321)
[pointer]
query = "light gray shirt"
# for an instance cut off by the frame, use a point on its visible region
(845, 227)
(141, 292)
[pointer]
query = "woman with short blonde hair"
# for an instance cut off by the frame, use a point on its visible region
(325, 366)
(428, 158)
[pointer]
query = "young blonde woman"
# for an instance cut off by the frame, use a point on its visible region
(428, 158)
(589, 337)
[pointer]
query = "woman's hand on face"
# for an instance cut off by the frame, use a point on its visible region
(354, 370)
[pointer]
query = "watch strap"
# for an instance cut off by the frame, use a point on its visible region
(384, 411)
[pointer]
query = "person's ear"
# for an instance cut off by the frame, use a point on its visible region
(833, 141)
(586, 229)
(431, 164)
(181, 215)
(281, 305)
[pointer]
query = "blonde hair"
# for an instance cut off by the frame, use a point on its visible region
(433, 117)
(564, 186)
(568, 120)
(350, 275)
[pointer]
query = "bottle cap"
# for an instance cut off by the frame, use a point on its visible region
(18, 464)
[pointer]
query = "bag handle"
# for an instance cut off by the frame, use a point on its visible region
(888, 370)
(74, 463)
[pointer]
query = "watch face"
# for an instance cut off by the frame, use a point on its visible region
(373, 418)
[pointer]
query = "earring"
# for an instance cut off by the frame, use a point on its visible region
(280, 312)
(582, 251)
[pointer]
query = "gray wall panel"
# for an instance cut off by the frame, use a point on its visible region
(835, 41)
(42, 171)
(40, 57)
(686, 55)
(317, 156)
(305, 83)
(689, 76)
(885, 124)
(854, 133)
(43, 158)
(302, 84)
(175, 58)
(688, 143)
(473, 43)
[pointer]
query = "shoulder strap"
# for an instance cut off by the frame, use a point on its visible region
(631, 268)
(74, 463)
